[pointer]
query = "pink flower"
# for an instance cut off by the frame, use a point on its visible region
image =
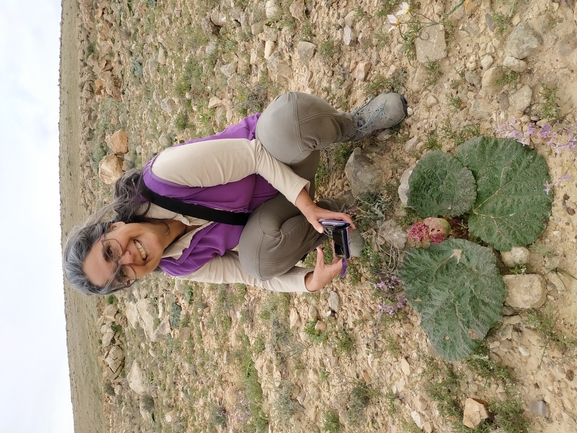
(439, 229)
(418, 231)
(430, 230)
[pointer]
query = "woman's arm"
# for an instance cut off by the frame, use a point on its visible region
(314, 213)
(227, 270)
(217, 162)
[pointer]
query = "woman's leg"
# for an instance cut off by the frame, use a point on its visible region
(293, 128)
(277, 235)
(296, 124)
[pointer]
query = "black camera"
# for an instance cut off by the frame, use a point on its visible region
(338, 230)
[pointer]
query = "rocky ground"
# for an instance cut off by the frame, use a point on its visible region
(139, 76)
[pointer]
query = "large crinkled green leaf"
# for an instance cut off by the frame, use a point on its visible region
(512, 207)
(458, 292)
(441, 185)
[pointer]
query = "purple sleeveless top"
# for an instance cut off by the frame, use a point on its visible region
(242, 196)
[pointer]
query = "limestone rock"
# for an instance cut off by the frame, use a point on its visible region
(294, 318)
(297, 10)
(486, 62)
(362, 70)
(481, 109)
(306, 51)
(521, 99)
(348, 36)
(229, 69)
(432, 45)
(361, 172)
(313, 312)
(164, 140)
(118, 142)
(514, 64)
(491, 78)
(107, 334)
(523, 41)
(404, 185)
(517, 256)
(114, 359)
(136, 379)
(162, 330)
(168, 105)
(271, 9)
(110, 169)
(567, 45)
(279, 68)
(525, 291)
(320, 326)
(334, 302)
(109, 312)
(474, 413)
(539, 407)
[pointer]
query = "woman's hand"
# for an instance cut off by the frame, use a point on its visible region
(313, 213)
(323, 272)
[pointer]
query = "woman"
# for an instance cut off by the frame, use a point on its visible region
(240, 170)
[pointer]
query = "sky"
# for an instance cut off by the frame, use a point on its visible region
(34, 381)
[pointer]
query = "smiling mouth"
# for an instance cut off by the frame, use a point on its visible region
(141, 249)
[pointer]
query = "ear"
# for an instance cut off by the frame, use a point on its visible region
(116, 225)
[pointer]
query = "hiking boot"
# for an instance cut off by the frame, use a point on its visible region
(381, 112)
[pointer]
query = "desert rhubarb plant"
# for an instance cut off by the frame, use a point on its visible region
(458, 292)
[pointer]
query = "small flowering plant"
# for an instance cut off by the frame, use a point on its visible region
(389, 288)
(394, 20)
(558, 139)
(415, 24)
(430, 230)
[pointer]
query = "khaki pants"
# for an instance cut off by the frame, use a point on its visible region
(293, 128)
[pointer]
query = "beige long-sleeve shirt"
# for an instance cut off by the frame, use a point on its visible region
(217, 162)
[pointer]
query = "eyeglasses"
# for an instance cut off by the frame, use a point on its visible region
(124, 276)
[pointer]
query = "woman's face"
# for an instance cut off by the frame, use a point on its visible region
(142, 247)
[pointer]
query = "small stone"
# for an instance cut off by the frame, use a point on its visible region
(432, 45)
(334, 302)
(517, 256)
(165, 140)
(539, 407)
(348, 36)
(362, 70)
(404, 186)
(405, 367)
(491, 78)
(294, 318)
(514, 64)
(525, 291)
(523, 41)
(521, 99)
(313, 312)
(320, 326)
(411, 144)
(416, 416)
(431, 101)
(110, 169)
(118, 142)
(168, 105)
(474, 413)
(486, 62)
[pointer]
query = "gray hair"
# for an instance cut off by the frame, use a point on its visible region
(78, 245)
(129, 205)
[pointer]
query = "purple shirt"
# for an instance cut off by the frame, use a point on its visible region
(244, 195)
